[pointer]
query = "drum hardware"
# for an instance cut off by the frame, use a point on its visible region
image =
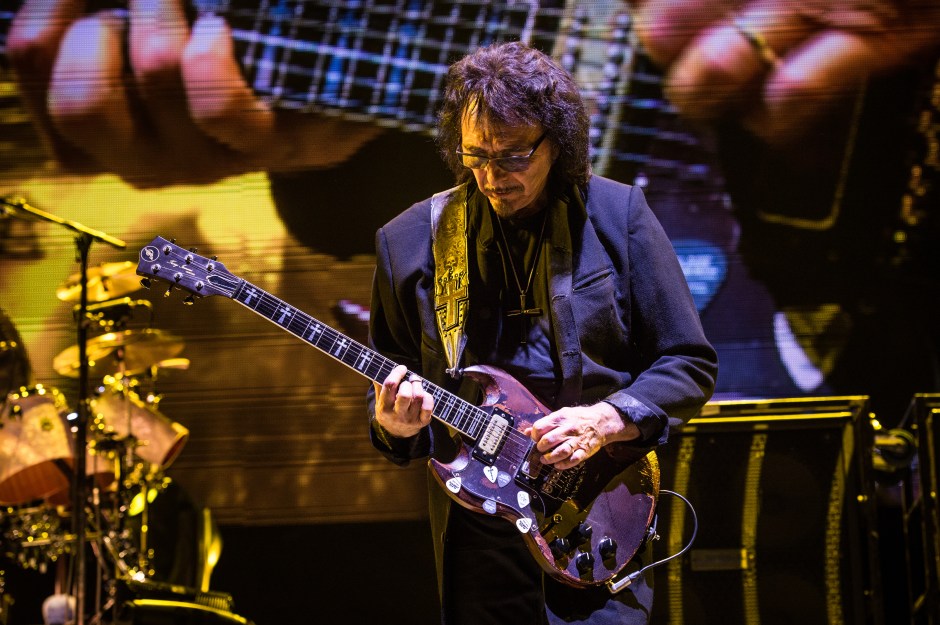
(15, 369)
(84, 289)
(36, 537)
(128, 433)
(120, 411)
(88, 477)
(124, 552)
(113, 314)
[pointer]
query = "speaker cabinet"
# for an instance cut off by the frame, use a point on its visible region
(921, 513)
(786, 520)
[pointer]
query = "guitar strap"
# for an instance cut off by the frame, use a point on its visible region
(451, 287)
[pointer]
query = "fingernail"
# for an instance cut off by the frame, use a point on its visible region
(208, 28)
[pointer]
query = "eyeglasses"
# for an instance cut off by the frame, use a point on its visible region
(506, 163)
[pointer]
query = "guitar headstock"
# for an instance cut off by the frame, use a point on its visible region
(185, 269)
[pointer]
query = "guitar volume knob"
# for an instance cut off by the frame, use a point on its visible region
(607, 547)
(560, 547)
(582, 534)
(584, 562)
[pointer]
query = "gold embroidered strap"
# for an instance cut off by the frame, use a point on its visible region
(451, 288)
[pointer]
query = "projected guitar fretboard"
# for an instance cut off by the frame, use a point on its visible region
(383, 59)
(385, 62)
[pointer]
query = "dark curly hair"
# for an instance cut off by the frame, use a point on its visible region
(514, 84)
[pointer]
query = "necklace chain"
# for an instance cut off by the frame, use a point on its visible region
(512, 264)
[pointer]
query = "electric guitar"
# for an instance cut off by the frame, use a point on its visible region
(583, 524)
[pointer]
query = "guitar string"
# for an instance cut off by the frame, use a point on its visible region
(314, 25)
(581, 32)
(516, 446)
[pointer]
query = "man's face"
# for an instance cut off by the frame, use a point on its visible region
(511, 194)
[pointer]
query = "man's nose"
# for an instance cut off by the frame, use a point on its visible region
(492, 169)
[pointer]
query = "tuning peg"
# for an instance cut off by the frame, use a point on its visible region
(168, 291)
(189, 300)
(146, 283)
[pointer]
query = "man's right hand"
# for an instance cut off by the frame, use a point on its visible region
(155, 100)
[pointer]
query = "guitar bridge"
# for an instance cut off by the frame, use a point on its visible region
(549, 481)
(493, 437)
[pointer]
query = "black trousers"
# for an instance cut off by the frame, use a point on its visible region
(491, 578)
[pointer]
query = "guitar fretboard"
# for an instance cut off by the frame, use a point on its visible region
(384, 60)
(459, 414)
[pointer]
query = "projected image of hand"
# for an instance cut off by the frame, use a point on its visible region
(144, 94)
(779, 65)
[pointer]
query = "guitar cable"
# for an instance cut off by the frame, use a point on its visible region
(617, 586)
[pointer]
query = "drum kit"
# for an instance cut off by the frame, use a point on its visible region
(129, 443)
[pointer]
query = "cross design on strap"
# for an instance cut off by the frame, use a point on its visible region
(451, 296)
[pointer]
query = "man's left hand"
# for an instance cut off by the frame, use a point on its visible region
(570, 436)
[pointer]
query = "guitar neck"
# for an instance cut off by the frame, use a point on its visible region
(382, 60)
(459, 414)
(385, 62)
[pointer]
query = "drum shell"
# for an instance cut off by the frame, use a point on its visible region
(35, 447)
(120, 412)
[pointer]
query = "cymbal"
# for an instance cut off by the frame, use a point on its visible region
(106, 281)
(129, 350)
(168, 363)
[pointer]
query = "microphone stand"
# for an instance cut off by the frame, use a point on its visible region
(18, 207)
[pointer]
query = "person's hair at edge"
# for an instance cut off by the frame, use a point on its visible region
(514, 84)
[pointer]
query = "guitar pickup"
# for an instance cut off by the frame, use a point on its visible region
(493, 438)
